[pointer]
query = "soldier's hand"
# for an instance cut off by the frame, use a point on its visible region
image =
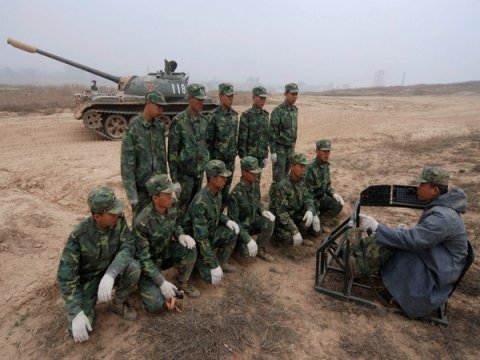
(339, 199)
(308, 218)
(216, 275)
(252, 248)
(186, 241)
(297, 239)
(178, 189)
(273, 156)
(167, 289)
(368, 222)
(80, 327)
(267, 214)
(232, 225)
(105, 288)
(316, 224)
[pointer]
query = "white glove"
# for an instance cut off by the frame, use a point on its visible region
(178, 189)
(80, 325)
(167, 289)
(232, 225)
(267, 214)
(216, 275)
(339, 199)
(265, 162)
(252, 248)
(105, 288)
(297, 239)
(133, 201)
(368, 222)
(186, 241)
(273, 156)
(308, 218)
(316, 224)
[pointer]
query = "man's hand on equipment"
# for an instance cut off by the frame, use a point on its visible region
(168, 289)
(80, 327)
(252, 248)
(186, 241)
(308, 218)
(232, 225)
(273, 156)
(316, 224)
(339, 199)
(297, 239)
(368, 222)
(105, 288)
(267, 214)
(216, 275)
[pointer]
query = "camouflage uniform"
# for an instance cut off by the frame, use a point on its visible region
(89, 253)
(283, 135)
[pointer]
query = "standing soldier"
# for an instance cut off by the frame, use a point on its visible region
(161, 244)
(97, 255)
(187, 147)
(253, 129)
(143, 151)
(245, 209)
(283, 133)
(222, 134)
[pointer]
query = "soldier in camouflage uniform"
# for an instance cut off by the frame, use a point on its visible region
(98, 255)
(187, 147)
(245, 209)
(292, 205)
(327, 201)
(283, 133)
(215, 234)
(161, 244)
(253, 129)
(222, 134)
(143, 151)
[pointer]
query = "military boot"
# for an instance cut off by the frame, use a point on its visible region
(228, 268)
(262, 254)
(189, 290)
(307, 242)
(124, 309)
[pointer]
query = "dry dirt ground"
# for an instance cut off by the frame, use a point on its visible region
(48, 164)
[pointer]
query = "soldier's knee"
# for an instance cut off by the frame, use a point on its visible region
(154, 306)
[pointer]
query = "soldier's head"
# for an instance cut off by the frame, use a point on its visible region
(226, 94)
(259, 96)
(432, 183)
(154, 104)
(250, 169)
(298, 166)
(196, 96)
(104, 206)
(161, 189)
(217, 174)
(291, 93)
(323, 150)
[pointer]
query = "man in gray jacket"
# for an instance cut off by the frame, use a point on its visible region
(419, 266)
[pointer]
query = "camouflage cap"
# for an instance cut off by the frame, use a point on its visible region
(259, 91)
(299, 158)
(324, 145)
(155, 97)
(226, 89)
(291, 88)
(250, 164)
(197, 91)
(434, 175)
(159, 184)
(103, 200)
(217, 168)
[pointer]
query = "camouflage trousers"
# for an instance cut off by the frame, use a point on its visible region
(328, 206)
(367, 256)
(191, 185)
(230, 165)
(174, 255)
(143, 200)
(261, 226)
(282, 235)
(284, 160)
(124, 286)
(223, 244)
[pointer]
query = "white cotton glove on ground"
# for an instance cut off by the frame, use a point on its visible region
(80, 327)
(186, 241)
(232, 225)
(273, 156)
(216, 275)
(252, 248)
(105, 288)
(316, 224)
(368, 222)
(267, 214)
(297, 239)
(168, 289)
(339, 199)
(308, 218)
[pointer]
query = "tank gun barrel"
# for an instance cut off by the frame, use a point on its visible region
(31, 49)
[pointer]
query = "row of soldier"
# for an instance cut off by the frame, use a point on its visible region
(191, 230)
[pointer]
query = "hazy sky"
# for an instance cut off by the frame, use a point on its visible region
(317, 41)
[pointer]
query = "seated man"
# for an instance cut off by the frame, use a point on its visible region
(419, 265)
(327, 201)
(245, 209)
(98, 254)
(215, 234)
(155, 231)
(293, 207)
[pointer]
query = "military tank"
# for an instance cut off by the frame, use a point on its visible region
(108, 114)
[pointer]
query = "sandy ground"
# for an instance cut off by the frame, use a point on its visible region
(48, 164)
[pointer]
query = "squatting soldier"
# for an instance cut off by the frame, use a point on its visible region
(143, 151)
(253, 129)
(93, 87)
(222, 134)
(283, 133)
(292, 203)
(214, 232)
(187, 147)
(245, 209)
(156, 231)
(98, 255)
(327, 201)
